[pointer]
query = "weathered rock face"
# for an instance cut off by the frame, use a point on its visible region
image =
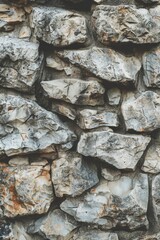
(114, 96)
(71, 175)
(58, 26)
(75, 91)
(108, 203)
(56, 225)
(94, 235)
(110, 174)
(125, 23)
(151, 66)
(121, 151)
(25, 190)
(142, 113)
(23, 129)
(5, 230)
(91, 118)
(156, 194)
(19, 63)
(105, 63)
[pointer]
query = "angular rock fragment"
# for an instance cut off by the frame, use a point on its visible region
(56, 225)
(5, 230)
(19, 230)
(71, 175)
(141, 113)
(152, 159)
(156, 195)
(10, 14)
(94, 234)
(105, 63)
(114, 96)
(92, 118)
(125, 23)
(121, 151)
(110, 174)
(75, 91)
(25, 190)
(57, 26)
(151, 66)
(64, 109)
(19, 63)
(26, 127)
(122, 202)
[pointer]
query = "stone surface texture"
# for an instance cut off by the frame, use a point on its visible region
(79, 119)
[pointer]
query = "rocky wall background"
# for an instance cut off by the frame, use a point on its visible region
(80, 120)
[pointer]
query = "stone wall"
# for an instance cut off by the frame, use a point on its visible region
(80, 120)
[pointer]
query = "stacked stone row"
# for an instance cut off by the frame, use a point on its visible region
(79, 120)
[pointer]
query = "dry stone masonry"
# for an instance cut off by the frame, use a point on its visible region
(79, 120)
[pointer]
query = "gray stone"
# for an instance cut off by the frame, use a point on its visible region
(19, 230)
(64, 109)
(57, 26)
(121, 151)
(25, 190)
(75, 91)
(71, 175)
(126, 23)
(110, 174)
(151, 66)
(26, 127)
(95, 234)
(105, 63)
(6, 230)
(156, 195)
(152, 159)
(114, 96)
(142, 112)
(19, 160)
(19, 63)
(150, 236)
(57, 225)
(93, 118)
(150, 1)
(122, 202)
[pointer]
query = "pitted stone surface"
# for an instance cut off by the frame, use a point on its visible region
(125, 23)
(25, 190)
(20, 63)
(105, 63)
(26, 127)
(151, 66)
(142, 113)
(156, 195)
(91, 118)
(71, 175)
(75, 91)
(122, 202)
(56, 225)
(121, 151)
(57, 26)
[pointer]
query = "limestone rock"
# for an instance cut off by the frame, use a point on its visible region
(121, 151)
(6, 230)
(19, 160)
(26, 127)
(151, 66)
(64, 109)
(58, 27)
(19, 230)
(156, 195)
(71, 175)
(122, 202)
(75, 91)
(56, 225)
(19, 63)
(11, 14)
(126, 23)
(25, 190)
(25, 32)
(150, 1)
(94, 234)
(110, 174)
(105, 63)
(114, 96)
(93, 118)
(155, 236)
(152, 159)
(141, 113)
